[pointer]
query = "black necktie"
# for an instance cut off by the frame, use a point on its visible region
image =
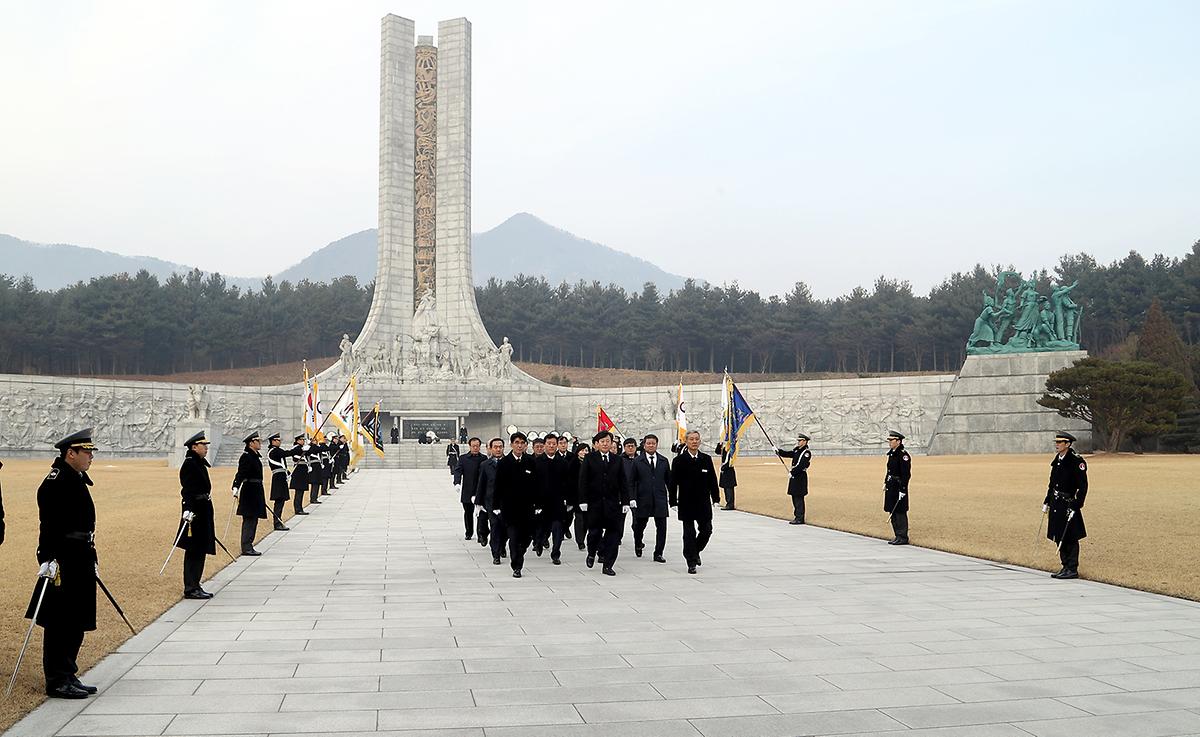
(651, 463)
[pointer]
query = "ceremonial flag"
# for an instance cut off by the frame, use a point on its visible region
(309, 405)
(370, 430)
(725, 382)
(343, 414)
(603, 423)
(681, 415)
(356, 446)
(739, 417)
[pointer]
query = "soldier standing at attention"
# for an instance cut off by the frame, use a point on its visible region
(452, 454)
(693, 492)
(277, 461)
(1, 512)
(67, 554)
(248, 490)
(895, 487)
(1064, 501)
(727, 479)
(316, 470)
(299, 456)
(798, 476)
(199, 537)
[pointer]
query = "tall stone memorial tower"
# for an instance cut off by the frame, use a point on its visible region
(423, 349)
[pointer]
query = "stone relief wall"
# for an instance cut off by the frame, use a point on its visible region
(850, 416)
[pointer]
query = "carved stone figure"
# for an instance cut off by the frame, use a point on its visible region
(504, 354)
(347, 348)
(197, 403)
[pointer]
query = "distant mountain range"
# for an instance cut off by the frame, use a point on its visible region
(523, 244)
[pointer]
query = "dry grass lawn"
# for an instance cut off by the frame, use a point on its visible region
(137, 510)
(1141, 511)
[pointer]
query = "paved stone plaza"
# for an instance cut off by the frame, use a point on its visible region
(373, 615)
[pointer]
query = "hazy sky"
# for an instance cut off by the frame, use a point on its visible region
(829, 142)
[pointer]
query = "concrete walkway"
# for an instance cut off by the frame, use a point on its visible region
(373, 615)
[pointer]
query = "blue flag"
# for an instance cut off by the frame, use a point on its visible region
(738, 418)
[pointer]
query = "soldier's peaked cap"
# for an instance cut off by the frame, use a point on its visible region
(299, 437)
(895, 434)
(81, 440)
(1065, 436)
(197, 438)
(251, 437)
(802, 436)
(274, 437)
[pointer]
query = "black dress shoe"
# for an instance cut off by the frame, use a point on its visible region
(516, 574)
(901, 542)
(495, 561)
(66, 691)
(591, 561)
(893, 541)
(282, 528)
(795, 522)
(567, 534)
(1069, 574)
(698, 561)
(659, 559)
(728, 508)
(638, 551)
(556, 561)
(87, 689)
(538, 550)
(469, 536)
(608, 571)
(315, 501)
(691, 569)
(582, 546)
(196, 594)
(301, 512)
(251, 551)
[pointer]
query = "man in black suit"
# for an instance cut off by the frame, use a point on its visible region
(466, 476)
(693, 490)
(649, 479)
(515, 500)
(553, 498)
(604, 497)
(485, 493)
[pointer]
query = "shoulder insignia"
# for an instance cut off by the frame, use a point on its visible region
(52, 475)
(1082, 466)
(905, 458)
(807, 454)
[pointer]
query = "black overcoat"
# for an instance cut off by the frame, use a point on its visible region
(67, 520)
(553, 493)
(1067, 491)
(602, 486)
(485, 487)
(899, 470)
(277, 460)
(196, 490)
(299, 468)
(798, 480)
(516, 493)
(252, 501)
(693, 486)
(466, 475)
(649, 487)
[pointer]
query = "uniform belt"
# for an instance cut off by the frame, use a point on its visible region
(1064, 496)
(278, 470)
(202, 498)
(83, 537)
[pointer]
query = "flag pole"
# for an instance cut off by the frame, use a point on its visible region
(764, 431)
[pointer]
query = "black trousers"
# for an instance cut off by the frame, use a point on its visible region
(499, 534)
(1069, 555)
(60, 651)
(249, 530)
(581, 527)
(660, 533)
(556, 537)
(900, 525)
(278, 506)
(798, 506)
(469, 518)
(315, 488)
(696, 534)
(729, 496)
(298, 502)
(604, 537)
(193, 569)
(519, 537)
(482, 526)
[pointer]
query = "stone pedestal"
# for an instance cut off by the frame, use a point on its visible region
(992, 407)
(186, 429)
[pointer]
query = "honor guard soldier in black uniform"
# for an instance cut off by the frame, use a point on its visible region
(895, 487)
(343, 458)
(248, 488)
(277, 462)
(727, 479)
(466, 477)
(798, 476)
(1, 512)
(316, 471)
(199, 536)
(67, 554)
(693, 491)
(604, 497)
(326, 466)
(299, 456)
(331, 474)
(452, 453)
(515, 499)
(1064, 500)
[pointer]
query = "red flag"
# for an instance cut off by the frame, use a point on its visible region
(602, 421)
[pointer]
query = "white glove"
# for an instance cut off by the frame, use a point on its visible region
(537, 511)
(496, 512)
(478, 508)
(473, 500)
(97, 569)
(236, 491)
(902, 495)
(716, 504)
(625, 509)
(1045, 508)
(582, 507)
(1070, 514)
(633, 503)
(188, 517)
(49, 569)
(569, 508)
